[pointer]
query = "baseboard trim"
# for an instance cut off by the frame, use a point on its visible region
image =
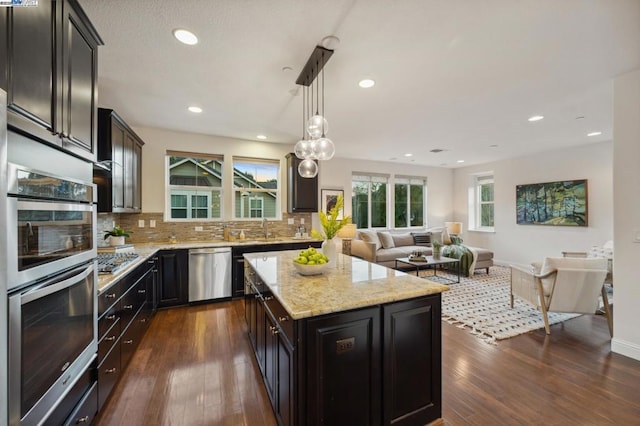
(625, 348)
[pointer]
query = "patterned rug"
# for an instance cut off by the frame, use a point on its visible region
(482, 305)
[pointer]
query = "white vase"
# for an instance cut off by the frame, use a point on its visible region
(116, 241)
(330, 250)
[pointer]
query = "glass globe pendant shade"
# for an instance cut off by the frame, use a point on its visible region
(324, 149)
(317, 126)
(313, 150)
(302, 149)
(308, 168)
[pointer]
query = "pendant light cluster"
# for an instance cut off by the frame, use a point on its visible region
(314, 144)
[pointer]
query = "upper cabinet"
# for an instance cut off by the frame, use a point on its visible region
(302, 193)
(119, 189)
(50, 59)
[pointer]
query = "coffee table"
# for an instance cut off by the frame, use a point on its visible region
(433, 264)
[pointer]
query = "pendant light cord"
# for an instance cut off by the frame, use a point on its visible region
(324, 117)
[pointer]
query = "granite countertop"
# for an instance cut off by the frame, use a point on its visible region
(147, 250)
(352, 283)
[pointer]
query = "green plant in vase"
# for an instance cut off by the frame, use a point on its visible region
(437, 248)
(116, 235)
(330, 227)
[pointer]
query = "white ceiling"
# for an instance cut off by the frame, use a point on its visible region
(458, 75)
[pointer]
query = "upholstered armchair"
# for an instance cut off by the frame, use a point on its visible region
(569, 285)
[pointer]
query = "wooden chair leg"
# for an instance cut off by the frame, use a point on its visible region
(487, 271)
(607, 310)
(543, 306)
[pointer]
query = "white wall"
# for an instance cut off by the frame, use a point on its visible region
(523, 244)
(336, 174)
(626, 157)
(158, 141)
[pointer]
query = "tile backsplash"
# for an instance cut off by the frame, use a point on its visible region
(186, 231)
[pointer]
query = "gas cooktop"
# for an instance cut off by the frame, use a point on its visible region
(108, 263)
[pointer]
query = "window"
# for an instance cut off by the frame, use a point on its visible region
(410, 195)
(195, 186)
(255, 188)
(482, 205)
(369, 200)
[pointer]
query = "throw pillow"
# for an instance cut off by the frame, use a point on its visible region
(403, 239)
(370, 237)
(386, 240)
(422, 238)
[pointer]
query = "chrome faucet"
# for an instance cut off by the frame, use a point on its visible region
(265, 225)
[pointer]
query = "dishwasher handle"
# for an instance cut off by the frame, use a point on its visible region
(213, 250)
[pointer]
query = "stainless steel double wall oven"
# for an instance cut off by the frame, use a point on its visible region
(51, 283)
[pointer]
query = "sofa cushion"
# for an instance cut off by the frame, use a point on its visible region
(370, 237)
(422, 238)
(483, 254)
(386, 240)
(403, 239)
(394, 253)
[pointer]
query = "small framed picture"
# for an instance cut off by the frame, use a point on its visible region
(329, 200)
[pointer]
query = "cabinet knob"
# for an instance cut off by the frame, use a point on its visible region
(283, 319)
(128, 342)
(110, 370)
(268, 298)
(110, 317)
(110, 296)
(110, 338)
(127, 307)
(82, 420)
(142, 291)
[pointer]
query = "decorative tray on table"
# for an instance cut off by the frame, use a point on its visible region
(414, 258)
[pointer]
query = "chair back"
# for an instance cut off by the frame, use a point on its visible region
(578, 289)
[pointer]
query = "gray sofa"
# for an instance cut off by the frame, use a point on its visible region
(384, 247)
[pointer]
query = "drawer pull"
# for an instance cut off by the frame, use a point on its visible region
(82, 420)
(110, 317)
(143, 320)
(110, 338)
(65, 381)
(127, 307)
(151, 262)
(283, 319)
(142, 291)
(266, 299)
(110, 370)
(110, 296)
(128, 342)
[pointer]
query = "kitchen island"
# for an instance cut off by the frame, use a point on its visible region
(359, 344)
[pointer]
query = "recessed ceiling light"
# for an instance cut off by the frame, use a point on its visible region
(536, 118)
(460, 161)
(262, 137)
(185, 36)
(408, 154)
(594, 134)
(195, 109)
(366, 83)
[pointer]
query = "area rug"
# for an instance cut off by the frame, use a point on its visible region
(481, 304)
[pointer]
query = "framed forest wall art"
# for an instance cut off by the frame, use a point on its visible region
(562, 203)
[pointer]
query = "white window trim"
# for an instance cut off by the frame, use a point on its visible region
(375, 178)
(474, 201)
(409, 180)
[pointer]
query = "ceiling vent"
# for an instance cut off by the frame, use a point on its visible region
(437, 150)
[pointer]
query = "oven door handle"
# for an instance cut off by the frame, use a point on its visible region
(52, 285)
(50, 205)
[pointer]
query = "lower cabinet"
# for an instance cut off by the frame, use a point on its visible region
(375, 365)
(173, 277)
(124, 314)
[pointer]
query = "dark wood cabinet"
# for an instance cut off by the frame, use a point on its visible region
(412, 376)
(124, 312)
(51, 54)
(344, 347)
(120, 188)
(173, 277)
(79, 82)
(376, 365)
(302, 193)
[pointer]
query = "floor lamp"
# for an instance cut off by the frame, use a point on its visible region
(347, 232)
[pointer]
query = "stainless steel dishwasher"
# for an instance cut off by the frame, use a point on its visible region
(209, 273)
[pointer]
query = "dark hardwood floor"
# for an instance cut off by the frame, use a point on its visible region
(195, 367)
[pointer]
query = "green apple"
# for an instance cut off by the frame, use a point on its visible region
(300, 259)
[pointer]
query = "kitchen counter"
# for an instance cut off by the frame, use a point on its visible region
(352, 283)
(147, 250)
